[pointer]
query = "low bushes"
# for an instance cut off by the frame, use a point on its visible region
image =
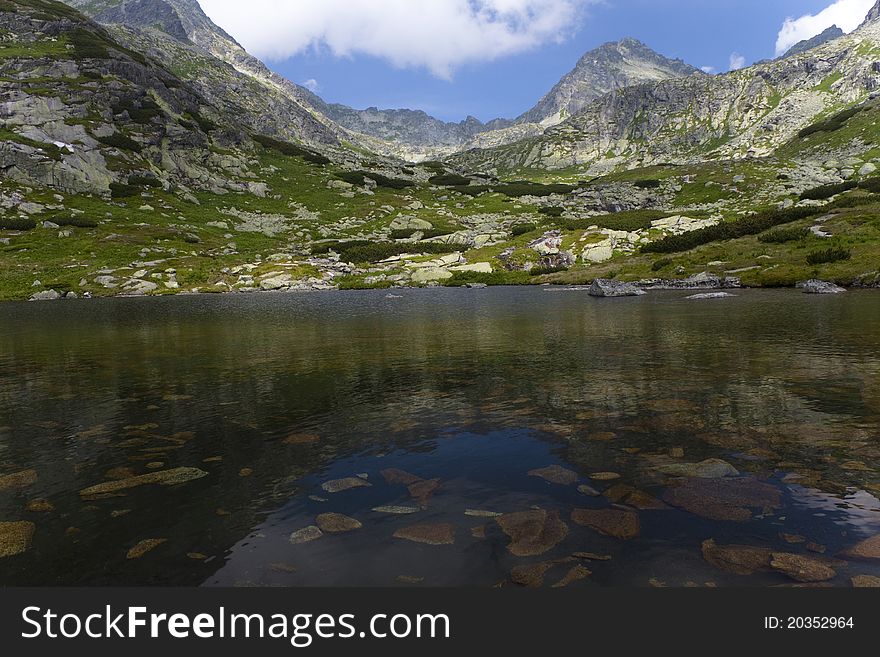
(449, 180)
(122, 142)
(647, 184)
(554, 211)
(17, 223)
(827, 191)
(871, 185)
(783, 235)
(543, 270)
(407, 233)
(381, 250)
(122, 190)
(832, 123)
(662, 263)
(144, 181)
(516, 189)
(286, 148)
(629, 220)
(358, 178)
(523, 229)
(76, 222)
(752, 225)
(828, 256)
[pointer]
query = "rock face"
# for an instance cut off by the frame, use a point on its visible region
(830, 34)
(611, 67)
(605, 288)
(821, 287)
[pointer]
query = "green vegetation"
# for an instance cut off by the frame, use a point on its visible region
(752, 225)
(517, 189)
(359, 178)
(827, 191)
(661, 264)
(833, 123)
(783, 235)
(123, 190)
(522, 229)
(449, 180)
(871, 185)
(122, 142)
(553, 211)
(293, 150)
(17, 223)
(647, 184)
(144, 181)
(829, 255)
(407, 233)
(377, 251)
(630, 220)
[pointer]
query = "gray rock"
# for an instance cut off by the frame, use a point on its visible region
(46, 295)
(820, 287)
(603, 287)
(711, 295)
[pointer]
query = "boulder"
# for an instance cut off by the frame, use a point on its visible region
(46, 295)
(815, 286)
(606, 288)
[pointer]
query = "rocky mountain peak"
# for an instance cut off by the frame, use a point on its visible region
(874, 14)
(611, 66)
(831, 33)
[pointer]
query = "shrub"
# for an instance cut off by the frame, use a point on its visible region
(827, 191)
(88, 45)
(522, 229)
(516, 189)
(871, 185)
(122, 190)
(337, 246)
(207, 125)
(832, 123)
(407, 233)
(358, 178)
(553, 211)
(828, 256)
(76, 222)
(122, 142)
(546, 269)
(144, 181)
(628, 220)
(377, 251)
(286, 148)
(752, 225)
(17, 223)
(449, 180)
(460, 278)
(647, 184)
(783, 235)
(662, 263)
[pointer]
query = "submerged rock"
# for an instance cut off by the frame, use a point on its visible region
(866, 582)
(439, 534)
(556, 474)
(393, 476)
(533, 533)
(710, 295)
(801, 568)
(723, 499)
(163, 478)
(607, 288)
(336, 523)
(21, 479)
(531, 575)
(624, 525)
(868, 549)
(306, 535)
(708, 469)
(145, 546)
(737, 559)
(340, 485)
(576, 574)
(397, 510)
(15, 538)
(820, 287)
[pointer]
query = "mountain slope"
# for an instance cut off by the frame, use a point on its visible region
(180, 34)
(830, 34)
(740, 114)
(611, 67)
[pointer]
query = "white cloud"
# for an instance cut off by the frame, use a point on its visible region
(438, 35)
(846, 14)
(708, 69)
(737, 61)
(312, 85)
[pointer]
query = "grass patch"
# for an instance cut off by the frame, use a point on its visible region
(122, 142)
(832, 123)
(286, 148)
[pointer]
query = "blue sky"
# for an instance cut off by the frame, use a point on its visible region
(364, 65)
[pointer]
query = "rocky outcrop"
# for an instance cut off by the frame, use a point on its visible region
(605, 288)
(820, 287)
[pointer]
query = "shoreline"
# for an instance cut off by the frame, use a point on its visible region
(643, 287)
